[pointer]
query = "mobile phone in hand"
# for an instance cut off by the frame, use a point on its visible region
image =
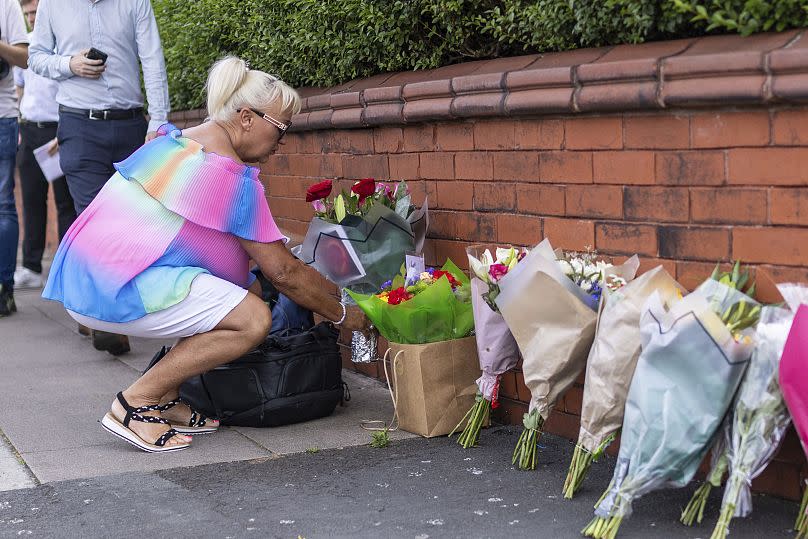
(95, 54)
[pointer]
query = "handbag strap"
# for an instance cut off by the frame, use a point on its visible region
(366, 423)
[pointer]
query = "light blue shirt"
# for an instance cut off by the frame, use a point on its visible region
(38, 103)
(124, 29)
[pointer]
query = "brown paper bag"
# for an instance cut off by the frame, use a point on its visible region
(433, 384)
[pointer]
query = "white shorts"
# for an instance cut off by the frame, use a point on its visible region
(209, 300)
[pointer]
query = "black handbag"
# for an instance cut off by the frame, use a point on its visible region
(288, 379)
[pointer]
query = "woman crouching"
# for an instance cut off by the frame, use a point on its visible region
(163, 252)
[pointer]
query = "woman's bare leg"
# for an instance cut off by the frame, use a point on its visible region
(240, 331)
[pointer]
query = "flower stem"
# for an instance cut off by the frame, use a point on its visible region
(477, 416)
(694, 511)
(524, 455)
(603, 528)
(721, 529)
(802, 519)
(579, 467)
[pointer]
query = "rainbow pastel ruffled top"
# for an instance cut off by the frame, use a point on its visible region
(169, 213)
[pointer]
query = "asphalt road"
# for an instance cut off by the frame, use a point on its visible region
(414, 488)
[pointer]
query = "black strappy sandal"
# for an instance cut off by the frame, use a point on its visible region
(198, 424)
(122, 430)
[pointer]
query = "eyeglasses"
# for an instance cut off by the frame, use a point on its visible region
(282, 127)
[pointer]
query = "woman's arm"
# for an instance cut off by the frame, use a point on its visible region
(297, 281)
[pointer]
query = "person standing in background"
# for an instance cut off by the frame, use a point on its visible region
(101, 118)
(13, 52)
(39, 117)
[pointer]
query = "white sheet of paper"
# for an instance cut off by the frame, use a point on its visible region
(48, 163)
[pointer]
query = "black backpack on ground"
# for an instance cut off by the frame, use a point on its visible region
(288, 379)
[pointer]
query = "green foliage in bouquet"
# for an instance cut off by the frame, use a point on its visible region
(741, 315)
(363, 195)
(429, 310)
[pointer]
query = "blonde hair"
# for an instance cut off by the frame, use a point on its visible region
(232, 85)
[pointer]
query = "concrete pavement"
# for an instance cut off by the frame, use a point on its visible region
(55, 387)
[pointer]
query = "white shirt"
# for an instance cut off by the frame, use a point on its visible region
(38, 102)
(13, 32)
(124, 29)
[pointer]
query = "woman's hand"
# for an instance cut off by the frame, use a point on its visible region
(355, 319)
(300, 283)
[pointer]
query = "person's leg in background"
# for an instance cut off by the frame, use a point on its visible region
(9, 225)
(34, 188)
(65, 209)
(86, 155)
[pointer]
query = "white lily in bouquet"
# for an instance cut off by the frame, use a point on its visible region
(496, 347)
(549, 301)
(490, 268)
(694, 355)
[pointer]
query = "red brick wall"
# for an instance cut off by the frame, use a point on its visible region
(684, 189)
(687, 153)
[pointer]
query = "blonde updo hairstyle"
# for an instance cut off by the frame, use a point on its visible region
(232, 85)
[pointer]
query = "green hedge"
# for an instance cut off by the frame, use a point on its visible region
(326, 42)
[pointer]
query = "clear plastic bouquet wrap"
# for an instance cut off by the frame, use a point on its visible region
(793, 382)
(549, 301)
(436, 306)
(610, 368)
(693, 357)
(496, 347)
(359, 239)
(759, 418)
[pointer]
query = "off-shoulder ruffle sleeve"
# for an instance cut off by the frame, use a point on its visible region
(208, 189)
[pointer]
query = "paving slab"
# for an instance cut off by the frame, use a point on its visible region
(341, 429)
(55, 388)
(113, 456)
(13, 472)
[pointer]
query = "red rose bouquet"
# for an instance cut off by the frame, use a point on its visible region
(359, 238)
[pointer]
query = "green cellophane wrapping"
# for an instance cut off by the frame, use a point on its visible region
(436, 314)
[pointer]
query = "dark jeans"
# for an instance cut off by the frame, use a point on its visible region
(87, 149)
(34, 188)
(9, 226)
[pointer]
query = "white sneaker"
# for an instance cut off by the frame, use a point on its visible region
(25, 278)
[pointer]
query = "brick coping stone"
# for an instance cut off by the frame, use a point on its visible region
(763, 69)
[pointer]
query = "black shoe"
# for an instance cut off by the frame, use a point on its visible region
(111, 342)
(7, 305)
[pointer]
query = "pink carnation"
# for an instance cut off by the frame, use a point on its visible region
(496, 271)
